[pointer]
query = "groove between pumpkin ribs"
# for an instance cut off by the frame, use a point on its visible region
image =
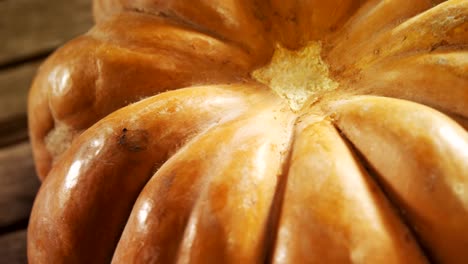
(275, 207)
(175, 19)
(277, 203)
(372, 173)
(200, 191)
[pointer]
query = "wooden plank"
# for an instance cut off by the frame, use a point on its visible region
(14, 87)
(13, 130)
(13, 248)
(32, 27)
(18, 184)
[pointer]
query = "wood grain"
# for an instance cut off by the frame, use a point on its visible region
(32, 27)
(18, 182)
(13, 248)
(14, 86)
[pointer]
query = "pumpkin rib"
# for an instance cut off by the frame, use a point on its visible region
(324, 174)
(220, 20)
(413, 35)
(459, 119)
(97, 166)
(366, 27)
(406, 78)
(198, 28)
(153, 34)
(397, 209)
(429, 184)
(423, 32)
(42, 117)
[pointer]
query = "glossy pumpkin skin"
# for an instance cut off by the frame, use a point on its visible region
(156, 145)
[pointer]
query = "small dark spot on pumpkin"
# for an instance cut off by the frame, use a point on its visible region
(134, 140)
(292, 18)
(257, 12)
(167, 182)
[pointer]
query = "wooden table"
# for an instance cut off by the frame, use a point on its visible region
(29, 31)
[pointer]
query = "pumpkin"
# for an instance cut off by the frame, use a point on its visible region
(252, 131)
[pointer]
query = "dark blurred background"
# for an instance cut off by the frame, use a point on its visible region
(29, 31)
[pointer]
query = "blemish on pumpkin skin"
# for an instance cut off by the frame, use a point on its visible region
(134, 140)
(168, 181)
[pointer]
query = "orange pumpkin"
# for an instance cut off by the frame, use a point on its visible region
(252, 131)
